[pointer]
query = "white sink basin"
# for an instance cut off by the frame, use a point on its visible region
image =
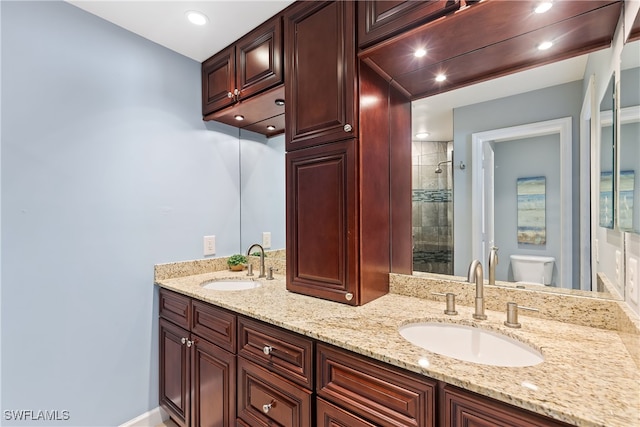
(231, 285)
(471, 344)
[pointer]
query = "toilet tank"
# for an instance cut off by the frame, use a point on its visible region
(532, 268)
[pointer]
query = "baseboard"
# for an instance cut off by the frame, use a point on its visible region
(148, 419)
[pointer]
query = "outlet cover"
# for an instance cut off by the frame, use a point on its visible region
(632, 280)
(209, 245)
(266, 239)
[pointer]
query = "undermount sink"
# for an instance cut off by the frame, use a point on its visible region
(231, 285)
(471, 344)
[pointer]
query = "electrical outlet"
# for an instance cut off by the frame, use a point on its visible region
(618, 268)
(209, 245)
(632, 280)
(266, 239)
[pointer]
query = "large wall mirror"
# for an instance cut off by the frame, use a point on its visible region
(262, 190)
(628, 200)
(498, 164)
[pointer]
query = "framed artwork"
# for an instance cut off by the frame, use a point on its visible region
(531, 193)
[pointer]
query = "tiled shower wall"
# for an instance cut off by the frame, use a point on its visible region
(432, 207)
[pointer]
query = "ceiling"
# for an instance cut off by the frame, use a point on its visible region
(164, 22)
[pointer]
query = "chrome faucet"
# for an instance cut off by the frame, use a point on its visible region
(261, 258)
(475, 274)
(493, 261)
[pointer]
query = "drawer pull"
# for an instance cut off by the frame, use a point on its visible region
(267, 349)
(266, 408)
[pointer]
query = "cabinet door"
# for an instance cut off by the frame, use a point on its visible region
(213, 380)
(266, 399)
(218, 80)
(388, 396)
(259, 58)
(465, 409)
(380, 19)
(320, 88)
(329, 415)
(174, 372)
(322, 242)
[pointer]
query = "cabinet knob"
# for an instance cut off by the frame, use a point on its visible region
(190, 343)
(267, 349)
(229, 95)
(348, 296)
(236, 92)
(348, 128)
(183, 340)
(266, 408)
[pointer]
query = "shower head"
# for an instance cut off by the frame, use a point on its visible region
(438, 168)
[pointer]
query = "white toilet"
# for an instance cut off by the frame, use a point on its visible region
(531, 269)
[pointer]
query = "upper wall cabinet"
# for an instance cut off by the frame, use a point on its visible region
(320, 64)
(234, 76)
(490, 39)
(378, 19)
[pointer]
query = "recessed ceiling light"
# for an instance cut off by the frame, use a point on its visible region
(422, 135)
(238, 117)
(419, 53)
(543, 7)
(441, 78)
(271, 127)
(196, 18)
(545, 45)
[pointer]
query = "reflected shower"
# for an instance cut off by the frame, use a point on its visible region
(438, 168)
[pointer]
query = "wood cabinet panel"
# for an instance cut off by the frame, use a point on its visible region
(288, 405)
(465, 409)
(282, 352)
(214, 324)
(218, 80)
(321, 221)
(330, 415)
(320, 66)
(379, 19)
(175, 395)
(213, 385)
(385, 395)
(176, 308)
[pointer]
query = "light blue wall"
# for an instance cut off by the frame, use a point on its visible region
(107, 169)
(536, 106)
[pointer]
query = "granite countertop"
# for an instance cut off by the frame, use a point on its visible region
(588, 377)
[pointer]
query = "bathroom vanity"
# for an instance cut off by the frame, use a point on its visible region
(273, 357)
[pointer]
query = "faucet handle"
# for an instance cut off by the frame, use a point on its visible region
(451, 302)
(270, 273)
(512, 314)
(249, 269)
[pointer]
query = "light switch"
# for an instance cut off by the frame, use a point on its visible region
(209, 245)
(266, 239)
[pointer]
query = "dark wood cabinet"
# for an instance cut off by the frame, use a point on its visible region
(197, 377)
(252, 65)
(374, 391)
(465, 409)
(380, 19)
(330, 415)
(320, 65)
(175, 395)
(322, 199)
(246, 79)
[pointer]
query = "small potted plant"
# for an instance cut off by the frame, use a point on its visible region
(236, 262)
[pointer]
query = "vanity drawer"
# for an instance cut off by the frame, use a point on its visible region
(266, 399)
(175, 307)
(382, 394)
(280, 351)
(214, 324)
